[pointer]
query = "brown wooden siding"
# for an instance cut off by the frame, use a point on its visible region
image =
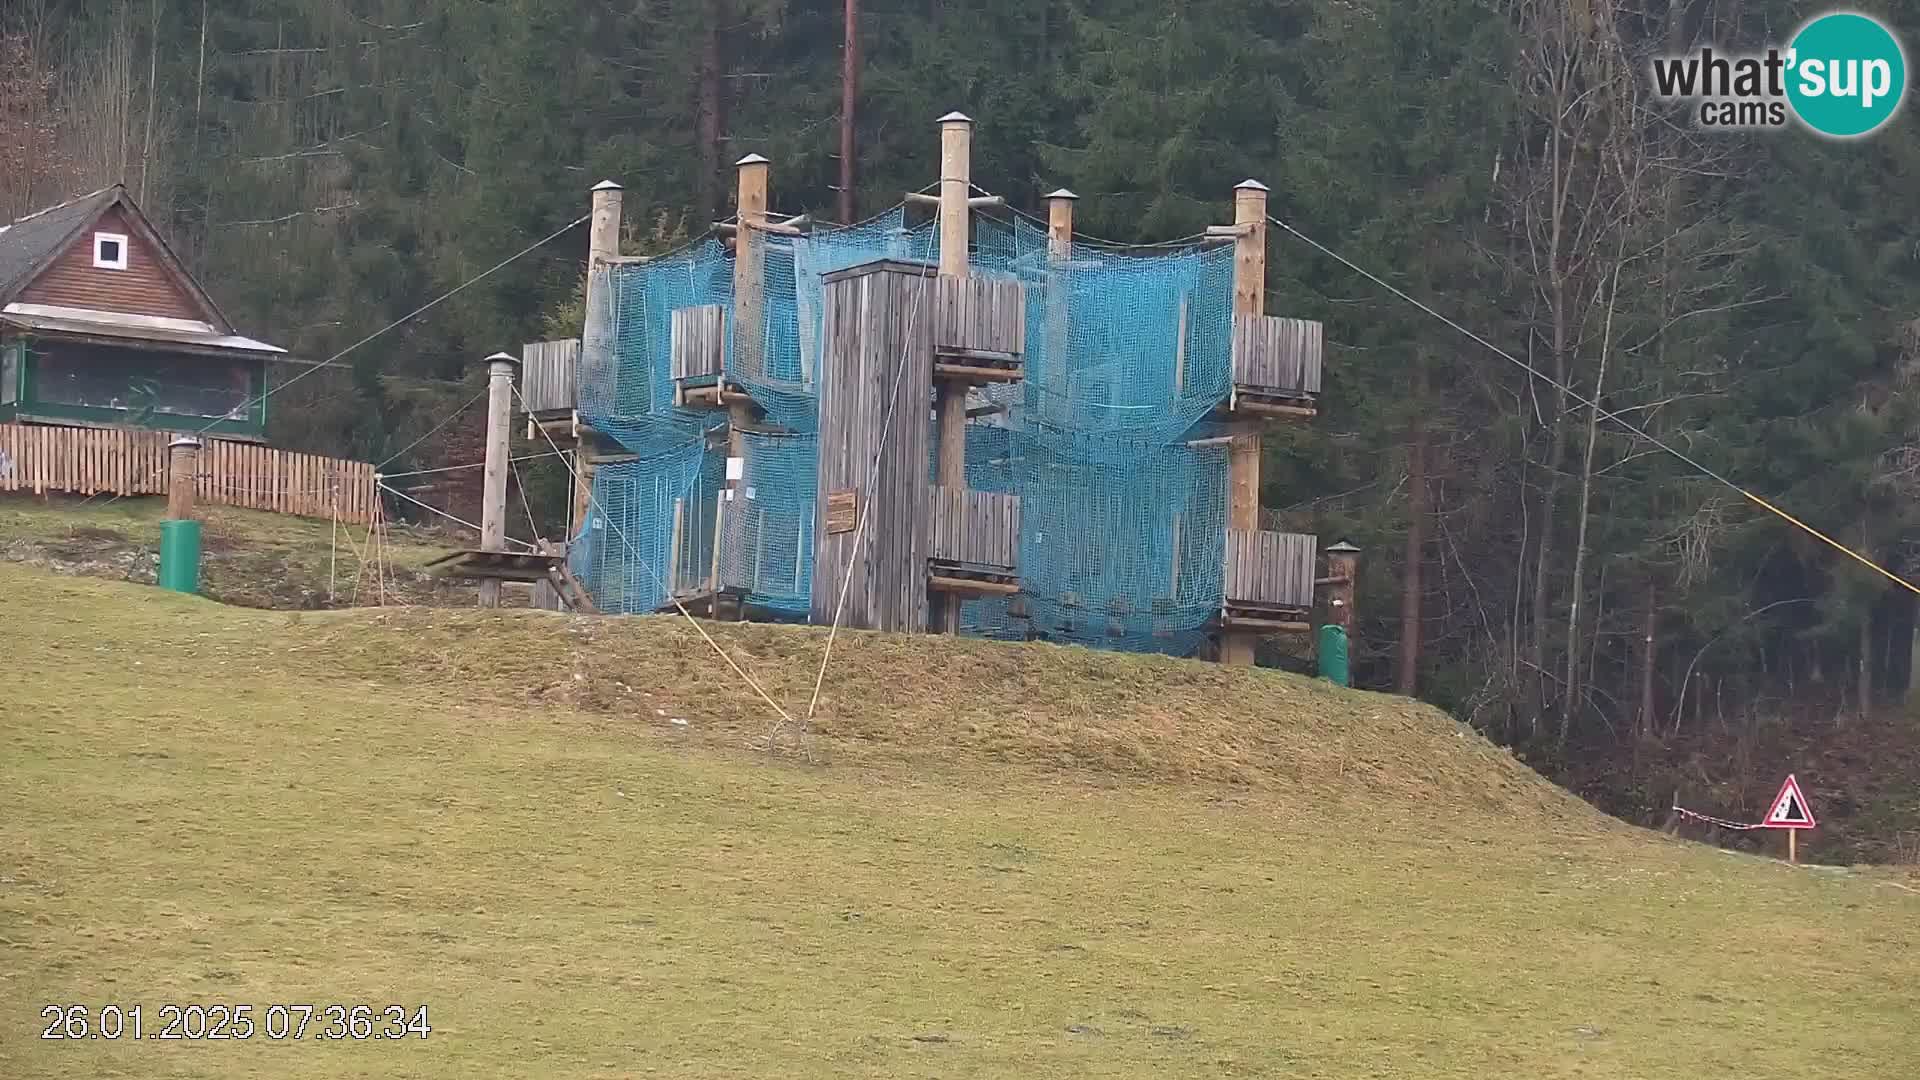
(974, 314)
(1276, 355)
(870, 327)
(145, 287)
(698, 341)
(1269, 570)
(548, 375)
(974, 529)
(126, 461)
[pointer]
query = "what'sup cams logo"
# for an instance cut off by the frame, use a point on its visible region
(1843, 75)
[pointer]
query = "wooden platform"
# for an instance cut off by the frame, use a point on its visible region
(970, 579)
(1276, 367)
(475, 565)
(707, 603)
(526, 567)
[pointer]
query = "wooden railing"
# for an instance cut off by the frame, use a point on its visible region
(974, 529)
(974, 315)
(1269, 570)
(698, 341)
(550, 375)
(127, 461)
(1277, 356)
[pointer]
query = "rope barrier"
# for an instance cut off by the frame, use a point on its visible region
(1629, 425)
(1711, 820)
(593, 503)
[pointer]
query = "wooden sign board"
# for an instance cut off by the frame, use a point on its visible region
(843, 510)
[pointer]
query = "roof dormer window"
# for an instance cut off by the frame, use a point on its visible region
(110, 250)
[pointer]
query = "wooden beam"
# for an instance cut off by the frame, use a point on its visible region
(971, 373)
(973, 203)
(1275, 626)
(1263, 408)
(942, 583)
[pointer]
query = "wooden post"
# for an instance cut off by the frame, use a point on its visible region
(956, 173)
(1343, 568)
(1060, 224)
(603, 236)
(749, 313)
(713, 572)
(183, 474)
(1250, 248)
(1180, 352)
(493, 491)
(1054, 375)
(956, 182)
(1793, 846)
(1243, 456)
(749, 267)
(603, 244)
(673, 549)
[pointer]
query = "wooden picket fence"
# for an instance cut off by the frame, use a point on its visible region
(124, 461)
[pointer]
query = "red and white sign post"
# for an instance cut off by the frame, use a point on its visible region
(1790, 812)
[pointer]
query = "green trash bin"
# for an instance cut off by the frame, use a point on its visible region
(1333, 655)
(180, 555)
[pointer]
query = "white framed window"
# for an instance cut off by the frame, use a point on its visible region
(110, 250)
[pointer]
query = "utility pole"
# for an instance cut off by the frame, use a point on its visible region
(493, 492)
(849, 93)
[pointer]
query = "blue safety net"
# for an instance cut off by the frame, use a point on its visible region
(1123, 523)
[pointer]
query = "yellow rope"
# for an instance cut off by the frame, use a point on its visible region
(1831, 542)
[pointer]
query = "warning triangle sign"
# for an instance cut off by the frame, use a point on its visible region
(1789, 809)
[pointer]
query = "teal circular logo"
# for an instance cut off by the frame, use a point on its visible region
(1846, 75)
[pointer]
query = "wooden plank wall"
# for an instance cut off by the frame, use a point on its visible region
(1272, 353)
(977, 528)
(974, 314)
(1269, 569)
(124, 461)
(145, 287)
(874, 320)
(549, 375)
(699, 341)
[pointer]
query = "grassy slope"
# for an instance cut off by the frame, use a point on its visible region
(1000, 861)
(250, 557)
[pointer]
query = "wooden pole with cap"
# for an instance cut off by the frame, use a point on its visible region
(950, 396)
(603, 244)
(183, 472)
(493, 485)
(1243, 453)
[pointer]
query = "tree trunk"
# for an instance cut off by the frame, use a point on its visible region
(1543, 544)
(1571, 692)
(1644, 723)
(1865, 689)
(711, 111)
(1407, 671)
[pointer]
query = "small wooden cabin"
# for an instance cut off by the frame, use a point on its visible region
(102, 326)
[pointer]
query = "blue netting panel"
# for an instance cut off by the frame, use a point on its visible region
(1123, 524)
(770, 559)
(623, 551)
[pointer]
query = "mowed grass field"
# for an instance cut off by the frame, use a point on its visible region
(980, 861)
